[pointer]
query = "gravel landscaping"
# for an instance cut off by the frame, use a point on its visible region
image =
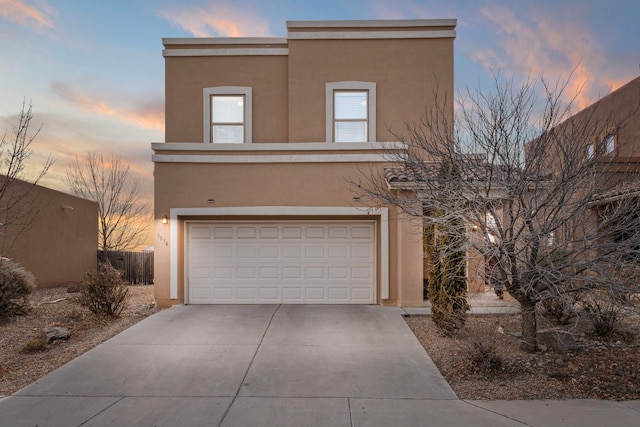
(484, 361)
(55, 307)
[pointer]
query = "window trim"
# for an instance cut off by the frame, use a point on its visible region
(245, 91)
(610, 138)
(331, 87)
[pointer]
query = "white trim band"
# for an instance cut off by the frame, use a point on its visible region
(226, 52)
(293, 158)
(284, 146)
(366, 35)
(194, 41)
(374, 23)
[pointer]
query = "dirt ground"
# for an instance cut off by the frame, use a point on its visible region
(597, 369)
(57, 307)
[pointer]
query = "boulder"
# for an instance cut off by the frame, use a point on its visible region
(56, 333)
(557, 340)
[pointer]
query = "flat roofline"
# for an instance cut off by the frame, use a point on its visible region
(223, 40)
(382, 23)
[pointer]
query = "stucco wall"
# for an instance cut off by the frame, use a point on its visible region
(59, 246)
(187, 76)
(406, 74)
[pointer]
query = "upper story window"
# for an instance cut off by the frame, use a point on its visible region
(227, 114)
(350, 115)
(609, 143)
(351, 112)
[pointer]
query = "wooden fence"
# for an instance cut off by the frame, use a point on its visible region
(137, 267)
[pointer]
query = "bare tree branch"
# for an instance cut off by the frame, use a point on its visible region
(17, 205)
(123, 216)
(552, 219)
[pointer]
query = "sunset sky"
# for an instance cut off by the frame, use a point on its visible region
(94, 71)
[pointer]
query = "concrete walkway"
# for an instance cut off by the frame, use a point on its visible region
(274, 365)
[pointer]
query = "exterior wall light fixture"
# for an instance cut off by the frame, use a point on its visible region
(356, 199)
(212, 200)
(165, 219)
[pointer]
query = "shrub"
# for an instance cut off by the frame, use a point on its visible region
(35, 345)
(447, 285)
(483, 354)
(560, 308)
(104, 292)
(603, 314)
(16, 284)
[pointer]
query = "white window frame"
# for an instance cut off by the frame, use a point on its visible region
(590, 151)
(330, 88)
(208, 92)
(609, 143)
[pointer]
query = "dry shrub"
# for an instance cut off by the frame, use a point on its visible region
(36, 345)
(16, 284)
(104, 292)
(560, 308)
(604, 312)
(484, 356)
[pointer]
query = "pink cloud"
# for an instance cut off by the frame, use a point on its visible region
(553, 47)
(147, 116)
(218, 21)
(20, 11)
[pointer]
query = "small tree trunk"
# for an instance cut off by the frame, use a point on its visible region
(529, 336)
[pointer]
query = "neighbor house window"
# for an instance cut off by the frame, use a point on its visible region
(609, 143)
(227, 115)
(351, 112)
(590, 151)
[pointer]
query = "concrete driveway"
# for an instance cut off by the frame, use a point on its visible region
(265, 365)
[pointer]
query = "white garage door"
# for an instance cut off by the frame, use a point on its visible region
(281, 262)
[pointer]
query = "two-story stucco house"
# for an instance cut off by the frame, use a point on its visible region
(255, 199)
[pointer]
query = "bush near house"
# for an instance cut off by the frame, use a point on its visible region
(104, 292)
(16, 284)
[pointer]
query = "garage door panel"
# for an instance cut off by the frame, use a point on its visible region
(292, 272)
(312, 232)
(246, 232)
(361, 232)
(341, 232)
(291, 262)
(269, 232)
(314, 252)
(292, 232)
(220, 232)
(292, 252)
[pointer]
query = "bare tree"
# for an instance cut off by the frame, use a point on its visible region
(123, 216)
(17, 207)
(549, 217)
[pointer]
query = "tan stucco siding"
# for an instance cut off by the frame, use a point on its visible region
(270, 184)
(405, 80)
(60, 243)
(277, 184)
(186, 77)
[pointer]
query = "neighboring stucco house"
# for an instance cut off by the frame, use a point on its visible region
(616, 146)
(266, 138)
(52, 234)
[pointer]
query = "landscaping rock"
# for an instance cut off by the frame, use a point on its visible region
(56, 333)
(557, 339)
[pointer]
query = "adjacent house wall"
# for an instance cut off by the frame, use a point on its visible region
(59, 243)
